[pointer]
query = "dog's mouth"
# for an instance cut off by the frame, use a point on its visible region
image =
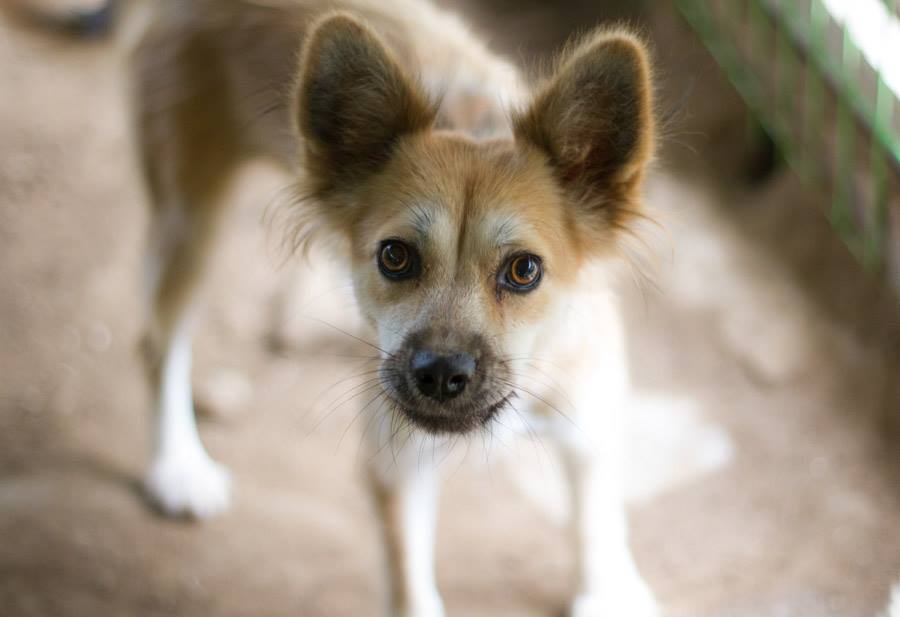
(453, 421)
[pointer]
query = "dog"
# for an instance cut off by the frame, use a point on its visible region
(478, 217)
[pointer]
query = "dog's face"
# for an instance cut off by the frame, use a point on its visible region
(462, 250)
(464, 254)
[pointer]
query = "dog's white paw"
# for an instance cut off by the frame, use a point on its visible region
(426, 605)
(632, 599)
(189, 484)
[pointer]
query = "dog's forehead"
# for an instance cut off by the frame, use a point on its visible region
(434, 222)
(501, 227)
(466, 199)
(481, 196)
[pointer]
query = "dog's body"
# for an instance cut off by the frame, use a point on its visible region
(475, 239)
(211, 88)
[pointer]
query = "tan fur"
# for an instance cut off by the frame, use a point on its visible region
(212, 86)
(400, 126)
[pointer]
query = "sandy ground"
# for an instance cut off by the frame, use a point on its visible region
(766, 365)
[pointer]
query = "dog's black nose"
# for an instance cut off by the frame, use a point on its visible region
(441, 376)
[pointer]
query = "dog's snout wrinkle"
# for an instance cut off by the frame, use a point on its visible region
(441, 376)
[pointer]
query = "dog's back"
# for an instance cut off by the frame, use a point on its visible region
(222, 70)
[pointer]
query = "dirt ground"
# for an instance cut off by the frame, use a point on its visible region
(765, 482)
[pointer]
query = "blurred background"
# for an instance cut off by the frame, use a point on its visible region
(764, 345)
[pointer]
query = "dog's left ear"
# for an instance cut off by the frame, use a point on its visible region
(353, 101)
(594, 122)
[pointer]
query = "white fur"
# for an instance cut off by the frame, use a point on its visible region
(396, 464)
(589, 436)
(893, 607)
(183, 479)
(590, 442)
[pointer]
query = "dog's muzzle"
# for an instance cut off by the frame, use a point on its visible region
(445, 382)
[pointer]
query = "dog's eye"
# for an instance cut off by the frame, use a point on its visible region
(396, 259)
(523, 272)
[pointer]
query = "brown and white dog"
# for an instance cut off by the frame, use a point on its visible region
(477, 217)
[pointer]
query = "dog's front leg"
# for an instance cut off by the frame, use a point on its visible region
(609, 584)
(405, 494)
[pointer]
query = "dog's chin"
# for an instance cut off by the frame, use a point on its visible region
(455, 422)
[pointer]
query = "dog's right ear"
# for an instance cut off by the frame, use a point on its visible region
(594, 122)
(353, 101)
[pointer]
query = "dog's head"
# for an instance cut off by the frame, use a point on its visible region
(462, 249)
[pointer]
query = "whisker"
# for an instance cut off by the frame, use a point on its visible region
(552, 386)
(541, 399)
(345, 379)
(487, 455)
(371, 386)
(354, 337)
(390, 428)
(380, 432)
(508, 359)
(397, 420)
(533, 435)
(365, 431)
(409, 436)
(369, 380)
(450, 449)
(465, 456)
(358, 414)
(391, 438)
(345, 356)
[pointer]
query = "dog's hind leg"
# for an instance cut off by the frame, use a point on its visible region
(188, 151)
(183, 479)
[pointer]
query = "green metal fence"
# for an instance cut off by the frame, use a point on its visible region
(822, 80)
